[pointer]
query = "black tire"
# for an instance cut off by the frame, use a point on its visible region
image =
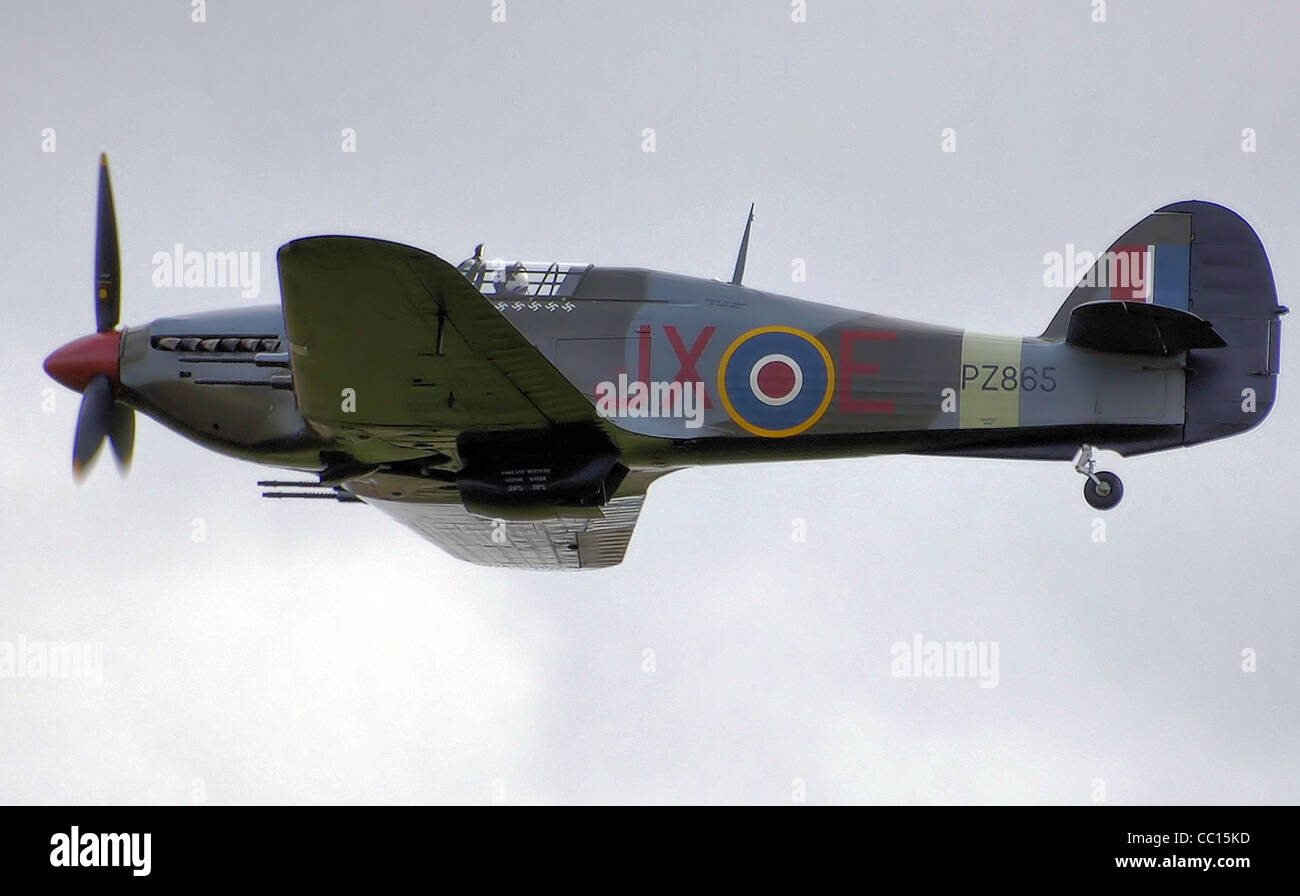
(1113, 488)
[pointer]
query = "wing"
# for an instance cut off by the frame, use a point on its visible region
(395, 354)
(424, 354)
(553, 542)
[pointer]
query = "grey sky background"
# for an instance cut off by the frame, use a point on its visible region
(325, 654)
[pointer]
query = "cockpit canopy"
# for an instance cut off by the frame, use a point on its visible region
(522, 279)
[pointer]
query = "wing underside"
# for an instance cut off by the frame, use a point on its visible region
(554, 542)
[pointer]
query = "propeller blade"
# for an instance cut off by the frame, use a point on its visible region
(121, 435)
(108, 273)
(93, 423)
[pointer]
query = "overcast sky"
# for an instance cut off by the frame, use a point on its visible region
(306, 652)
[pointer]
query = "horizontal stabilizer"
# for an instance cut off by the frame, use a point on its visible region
(1138, 328)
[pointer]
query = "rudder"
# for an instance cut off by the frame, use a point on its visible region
(1231, 389)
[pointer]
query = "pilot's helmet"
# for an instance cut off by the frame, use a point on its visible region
(516, 278)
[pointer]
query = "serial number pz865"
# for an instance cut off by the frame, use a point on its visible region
(1007, 378)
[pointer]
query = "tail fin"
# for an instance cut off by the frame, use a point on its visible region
(1149, 263)
(1203, 259)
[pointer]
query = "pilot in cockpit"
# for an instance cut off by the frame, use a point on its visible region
(511, 281)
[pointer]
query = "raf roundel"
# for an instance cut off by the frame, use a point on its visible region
(776, 381)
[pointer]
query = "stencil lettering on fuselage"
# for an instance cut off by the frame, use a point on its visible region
(989, 393)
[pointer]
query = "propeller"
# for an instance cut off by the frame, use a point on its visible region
(94, 421)
(108, 266)
(121, 435)
(91, 364)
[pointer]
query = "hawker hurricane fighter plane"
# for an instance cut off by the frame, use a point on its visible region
(515, 415)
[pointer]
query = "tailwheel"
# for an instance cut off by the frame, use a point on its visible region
(1103, 490)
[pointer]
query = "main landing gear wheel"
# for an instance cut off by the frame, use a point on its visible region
(1103, 489)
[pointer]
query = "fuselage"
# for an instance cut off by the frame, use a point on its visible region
(693, 371)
